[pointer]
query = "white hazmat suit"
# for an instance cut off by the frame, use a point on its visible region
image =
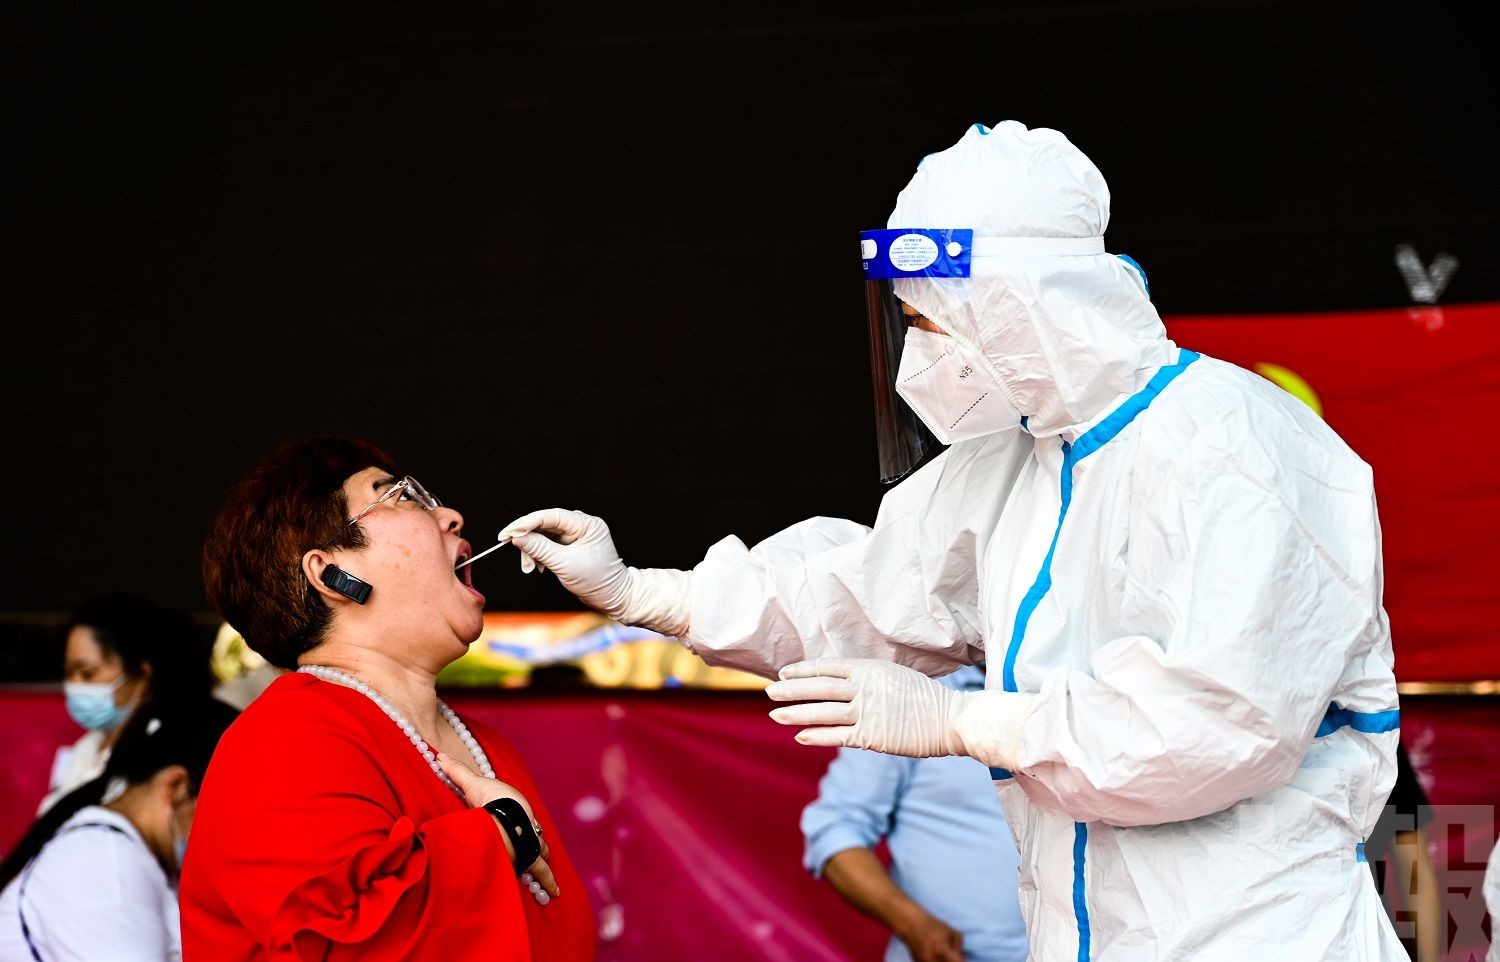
(1173, 571)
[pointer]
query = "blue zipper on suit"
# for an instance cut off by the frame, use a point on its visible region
(1092, 440)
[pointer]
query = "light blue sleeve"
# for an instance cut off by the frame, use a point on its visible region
(856, 804)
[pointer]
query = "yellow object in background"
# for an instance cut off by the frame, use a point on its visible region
(231, 657)
(242, 673)
(1292, 383)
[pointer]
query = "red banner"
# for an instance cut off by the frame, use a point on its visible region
(1416, 393)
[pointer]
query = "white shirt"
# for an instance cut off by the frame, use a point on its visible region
(92, 895)
(76, 764)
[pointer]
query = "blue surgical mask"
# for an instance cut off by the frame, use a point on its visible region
(179, 848)
(179, 841)
(92, 705)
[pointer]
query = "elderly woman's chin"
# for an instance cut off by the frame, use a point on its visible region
(424, 618)
(462, 620)
(472, 627)
(433, 601)
(473, 623)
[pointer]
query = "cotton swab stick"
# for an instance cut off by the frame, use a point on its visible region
(503, 543)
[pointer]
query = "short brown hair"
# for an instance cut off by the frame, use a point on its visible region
(292, 503)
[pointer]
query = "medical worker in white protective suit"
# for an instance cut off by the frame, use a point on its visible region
(1172, 567)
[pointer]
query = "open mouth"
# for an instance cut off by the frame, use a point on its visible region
(465, 574)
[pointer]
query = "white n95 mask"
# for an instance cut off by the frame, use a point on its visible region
(929, 388)
(956, 399)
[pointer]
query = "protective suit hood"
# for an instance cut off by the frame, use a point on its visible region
(1068, 337)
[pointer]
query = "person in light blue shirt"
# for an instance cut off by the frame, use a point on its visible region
(951, 893)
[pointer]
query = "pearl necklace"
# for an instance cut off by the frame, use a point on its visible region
(333, 675)
(407, 728)
(337, 677)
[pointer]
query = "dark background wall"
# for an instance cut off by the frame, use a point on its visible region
(605, 258)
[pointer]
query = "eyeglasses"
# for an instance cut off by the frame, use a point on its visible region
(407, 489)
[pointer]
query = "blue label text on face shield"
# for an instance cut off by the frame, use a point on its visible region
(916, 252)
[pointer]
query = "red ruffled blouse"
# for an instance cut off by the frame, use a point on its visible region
(321, 834)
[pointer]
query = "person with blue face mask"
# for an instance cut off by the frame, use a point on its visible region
(122, 651)
(95, 877)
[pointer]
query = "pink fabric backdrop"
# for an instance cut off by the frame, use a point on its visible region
(681, 811)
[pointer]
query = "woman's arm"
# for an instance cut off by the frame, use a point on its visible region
(863, 882)
(1417, 888)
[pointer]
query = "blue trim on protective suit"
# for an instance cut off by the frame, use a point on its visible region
(1369, 722)
(1092, 440)
(1359, 853)
(1001, 774)
(1136, 265)
(1097, 436)
(1080, 895)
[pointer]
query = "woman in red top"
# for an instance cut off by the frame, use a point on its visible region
(348, 814)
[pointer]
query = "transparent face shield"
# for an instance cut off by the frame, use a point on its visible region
(902, 440)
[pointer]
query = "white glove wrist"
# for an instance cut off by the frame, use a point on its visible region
(658, 599)
(990, 726)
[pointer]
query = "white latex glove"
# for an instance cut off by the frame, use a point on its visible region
(886, 707)
(578, 549)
